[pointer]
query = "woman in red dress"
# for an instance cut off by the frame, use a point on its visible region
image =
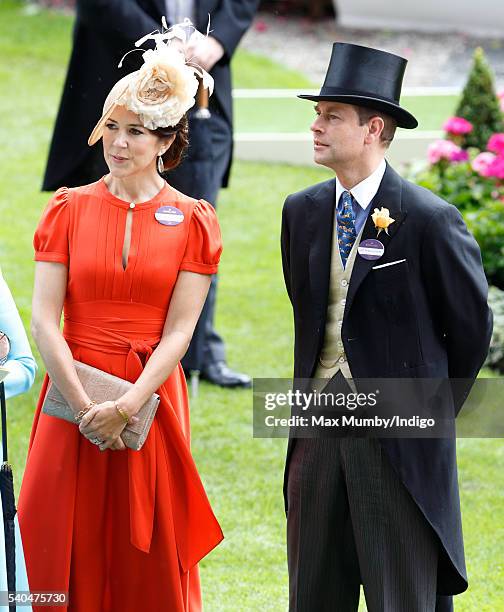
(122, 530)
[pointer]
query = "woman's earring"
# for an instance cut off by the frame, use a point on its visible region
(160, 164)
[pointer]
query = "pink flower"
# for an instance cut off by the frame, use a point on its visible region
(457, 125)
(481, 162)
(500, 95)
(460, 156)
(443, 149)
(260, 26)
(496, 168)
(496, 143)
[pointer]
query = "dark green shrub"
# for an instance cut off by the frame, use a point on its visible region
(487, 226)
(495, 357)
(458, 184)
(479, 103)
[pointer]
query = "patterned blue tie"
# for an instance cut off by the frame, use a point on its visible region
(346, 225)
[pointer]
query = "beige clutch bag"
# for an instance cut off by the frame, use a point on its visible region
(103, 387)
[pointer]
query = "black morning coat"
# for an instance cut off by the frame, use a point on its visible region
(427, 317)
(104, 31)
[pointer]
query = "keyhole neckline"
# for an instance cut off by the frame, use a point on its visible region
(166, 194)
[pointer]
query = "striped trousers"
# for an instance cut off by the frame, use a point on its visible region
(351, 521)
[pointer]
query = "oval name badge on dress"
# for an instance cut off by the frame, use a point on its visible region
(371, 249)
(169, 215)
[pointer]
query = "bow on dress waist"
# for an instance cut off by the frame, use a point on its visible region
(118, 335)
(115, 328)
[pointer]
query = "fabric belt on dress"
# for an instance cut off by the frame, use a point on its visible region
(103, 333)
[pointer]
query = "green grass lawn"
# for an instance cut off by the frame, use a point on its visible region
(243, 475)
(295, 115)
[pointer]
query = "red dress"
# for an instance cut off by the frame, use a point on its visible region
(120, 531)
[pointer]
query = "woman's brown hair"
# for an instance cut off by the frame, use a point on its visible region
(173, 157)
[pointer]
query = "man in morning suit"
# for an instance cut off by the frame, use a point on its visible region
(104, 31)
(383, 513)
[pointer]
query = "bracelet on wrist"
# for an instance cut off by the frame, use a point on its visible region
(122, 413)
(82, 412)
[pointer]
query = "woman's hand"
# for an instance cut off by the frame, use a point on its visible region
(103, 422)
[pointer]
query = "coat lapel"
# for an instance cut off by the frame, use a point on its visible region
(387, 196)
(201, 12)
(320, 224)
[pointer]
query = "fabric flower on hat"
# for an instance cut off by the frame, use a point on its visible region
(457, 126)
(164, 89)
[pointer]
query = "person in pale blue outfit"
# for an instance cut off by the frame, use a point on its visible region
(22, 368)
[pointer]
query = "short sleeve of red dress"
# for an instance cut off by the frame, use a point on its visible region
(51, 236)
(204, 244)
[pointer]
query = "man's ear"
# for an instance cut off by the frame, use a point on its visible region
(375, 128)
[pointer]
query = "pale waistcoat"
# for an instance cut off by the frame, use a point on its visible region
(332, 356)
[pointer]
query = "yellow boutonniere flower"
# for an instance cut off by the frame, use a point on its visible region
(382, 219)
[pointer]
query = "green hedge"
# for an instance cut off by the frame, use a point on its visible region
(495, 357)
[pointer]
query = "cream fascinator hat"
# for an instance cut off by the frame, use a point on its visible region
(164, 88)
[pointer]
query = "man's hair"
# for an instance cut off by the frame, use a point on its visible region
(390, 124)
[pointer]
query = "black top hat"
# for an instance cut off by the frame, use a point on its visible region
(366, 77)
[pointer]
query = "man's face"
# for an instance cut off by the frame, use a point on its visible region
(338, 139)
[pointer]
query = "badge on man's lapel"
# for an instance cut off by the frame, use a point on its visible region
(371, 249)
(385, 222)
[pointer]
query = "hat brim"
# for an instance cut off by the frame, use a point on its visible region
(97, 132)
(403, 117)
(111, 103)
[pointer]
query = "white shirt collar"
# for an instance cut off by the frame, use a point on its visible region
(366, 190)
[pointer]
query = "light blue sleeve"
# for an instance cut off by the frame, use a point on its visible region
(22, 368)
(20, 361)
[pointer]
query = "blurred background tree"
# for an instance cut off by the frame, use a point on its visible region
(479, 103)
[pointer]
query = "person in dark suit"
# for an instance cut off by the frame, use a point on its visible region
(383, 513)
(103, 33)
